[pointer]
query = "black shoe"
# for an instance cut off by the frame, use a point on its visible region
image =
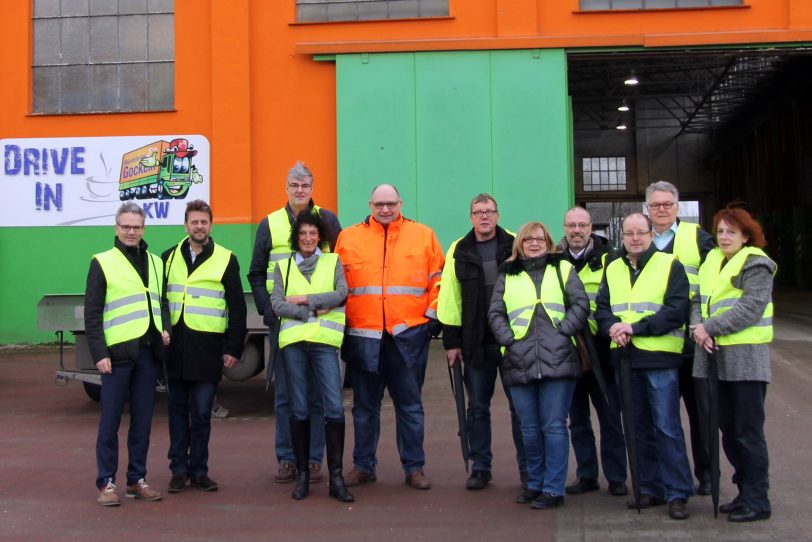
(618, 489)
(547, 500)
(177, 483)
(704, 488)
(205, 483)
(582, 485)
(478, 479)
(744, 514)
(646, 501)
(527, 496)
(731, 506)
(677, 509)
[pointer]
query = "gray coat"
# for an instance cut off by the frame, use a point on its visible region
(546, 351)
(745, 361)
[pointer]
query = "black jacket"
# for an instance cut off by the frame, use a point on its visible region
(198, 355)
(95, 292)
(468, 271)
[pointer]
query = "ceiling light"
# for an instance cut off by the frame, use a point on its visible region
(631, 80)
(621, 126)
(623, 107)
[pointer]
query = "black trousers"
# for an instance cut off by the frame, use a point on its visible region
(694, 394)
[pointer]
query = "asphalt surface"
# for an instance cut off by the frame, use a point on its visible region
(47, 470)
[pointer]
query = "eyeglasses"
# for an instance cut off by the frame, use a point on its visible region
(379, 205)
(573, 225)
(657, 206)
(134, 229)
(297, 186)
(636, 233)
(486, 212)
(539, 240)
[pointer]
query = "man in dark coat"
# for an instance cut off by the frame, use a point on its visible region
(207, 310)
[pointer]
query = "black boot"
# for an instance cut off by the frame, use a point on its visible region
(300, 438)
(334, 440)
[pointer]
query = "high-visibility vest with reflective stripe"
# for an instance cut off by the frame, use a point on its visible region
(520, 298)
(326, 328)
(280, 228)
(718, 295)
(127, 302)
(201, 296)
(686, 249)
(633, 303)
(592, 280)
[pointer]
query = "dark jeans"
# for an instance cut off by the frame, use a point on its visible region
(321, 359)
(405, 386)
(190, 406)
(480, 383)
(613, 445)
(741, 419)
(694, 394)
(133, 380)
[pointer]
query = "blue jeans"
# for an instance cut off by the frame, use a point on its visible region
(190, 405)
(405, 386)
(322, 359)
(664, 469)
(284, 446)
(542, 408)
(613, 445)
(133, 380)
(480, 383)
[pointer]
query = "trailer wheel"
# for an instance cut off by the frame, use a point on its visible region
(93, 391)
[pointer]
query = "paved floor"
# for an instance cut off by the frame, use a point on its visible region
(47, 469)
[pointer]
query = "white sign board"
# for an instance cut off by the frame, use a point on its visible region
(81, 181)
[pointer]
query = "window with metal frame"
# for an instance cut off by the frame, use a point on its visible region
(605, 173)
(312, 11)
(593, 5)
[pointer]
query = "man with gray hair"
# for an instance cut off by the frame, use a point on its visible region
(690, 244)
(272, 244)
(126, 332)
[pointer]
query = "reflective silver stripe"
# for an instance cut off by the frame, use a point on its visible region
(514, 313)
(269, 277)
(764, 322)
(329, 324)
(704, 299)
(437, 274)
(619, 307)
(694, 288)
(556, 307)
(405, 290)
(431, 313)
(174, 288)
(592, 296)
(676, 333)
(366, 333)
(400, 328)
(129, 300)
(203, 311)
(645, 306)
(723, 303)
(175, 306)
(367, 290)
(123, 319)
(521, 322)
(155, 297)
(205, 292)
(279, 256)
(690, 269)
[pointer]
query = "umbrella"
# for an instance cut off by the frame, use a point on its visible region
(627, 411)
(458, 389)
(713, 429)
(594, 361)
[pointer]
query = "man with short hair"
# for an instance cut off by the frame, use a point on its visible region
(589, 254)
(126, 333)
(392, 265)
(207, 311)
(690, 244)
(272, 244)
(470, 271)
(642, 306)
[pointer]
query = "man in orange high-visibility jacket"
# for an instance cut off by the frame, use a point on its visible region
(393, 267)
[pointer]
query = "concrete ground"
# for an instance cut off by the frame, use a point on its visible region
(47, 469)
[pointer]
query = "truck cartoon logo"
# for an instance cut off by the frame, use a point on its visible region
(161, 170)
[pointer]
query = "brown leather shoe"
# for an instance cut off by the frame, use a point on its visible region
(285, 473)
(418, 480)
(357, 477)
(108, 496)
(315, 473)
(141, 491)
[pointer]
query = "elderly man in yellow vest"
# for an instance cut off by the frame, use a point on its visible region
(126, 334)
(642, 306)
(272, 245)
(690, 244)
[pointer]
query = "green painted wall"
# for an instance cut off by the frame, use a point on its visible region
(446, 126)
(54, 260)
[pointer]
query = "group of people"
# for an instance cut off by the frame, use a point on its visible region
(562, 324)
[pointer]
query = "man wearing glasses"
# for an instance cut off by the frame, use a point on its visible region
(690, 244)
(393, 266)
(126, 333)
(470, 271)
(588, 253)
(272, 244)
(642, 307)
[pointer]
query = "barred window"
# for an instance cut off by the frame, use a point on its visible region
(606, 173)
(308, 11)
(590, 5)
(103, 56)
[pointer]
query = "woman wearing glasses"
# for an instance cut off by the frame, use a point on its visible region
(732, 319)
(538, 305)
(309, 289)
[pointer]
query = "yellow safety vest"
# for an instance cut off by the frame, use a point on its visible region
(686, 249)
(718, 295)
(592, 280)
(326, 328)
(449, 299)
(633, 303)
(201, 296)
(280, 228)
(127, 302)
(521, 300)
